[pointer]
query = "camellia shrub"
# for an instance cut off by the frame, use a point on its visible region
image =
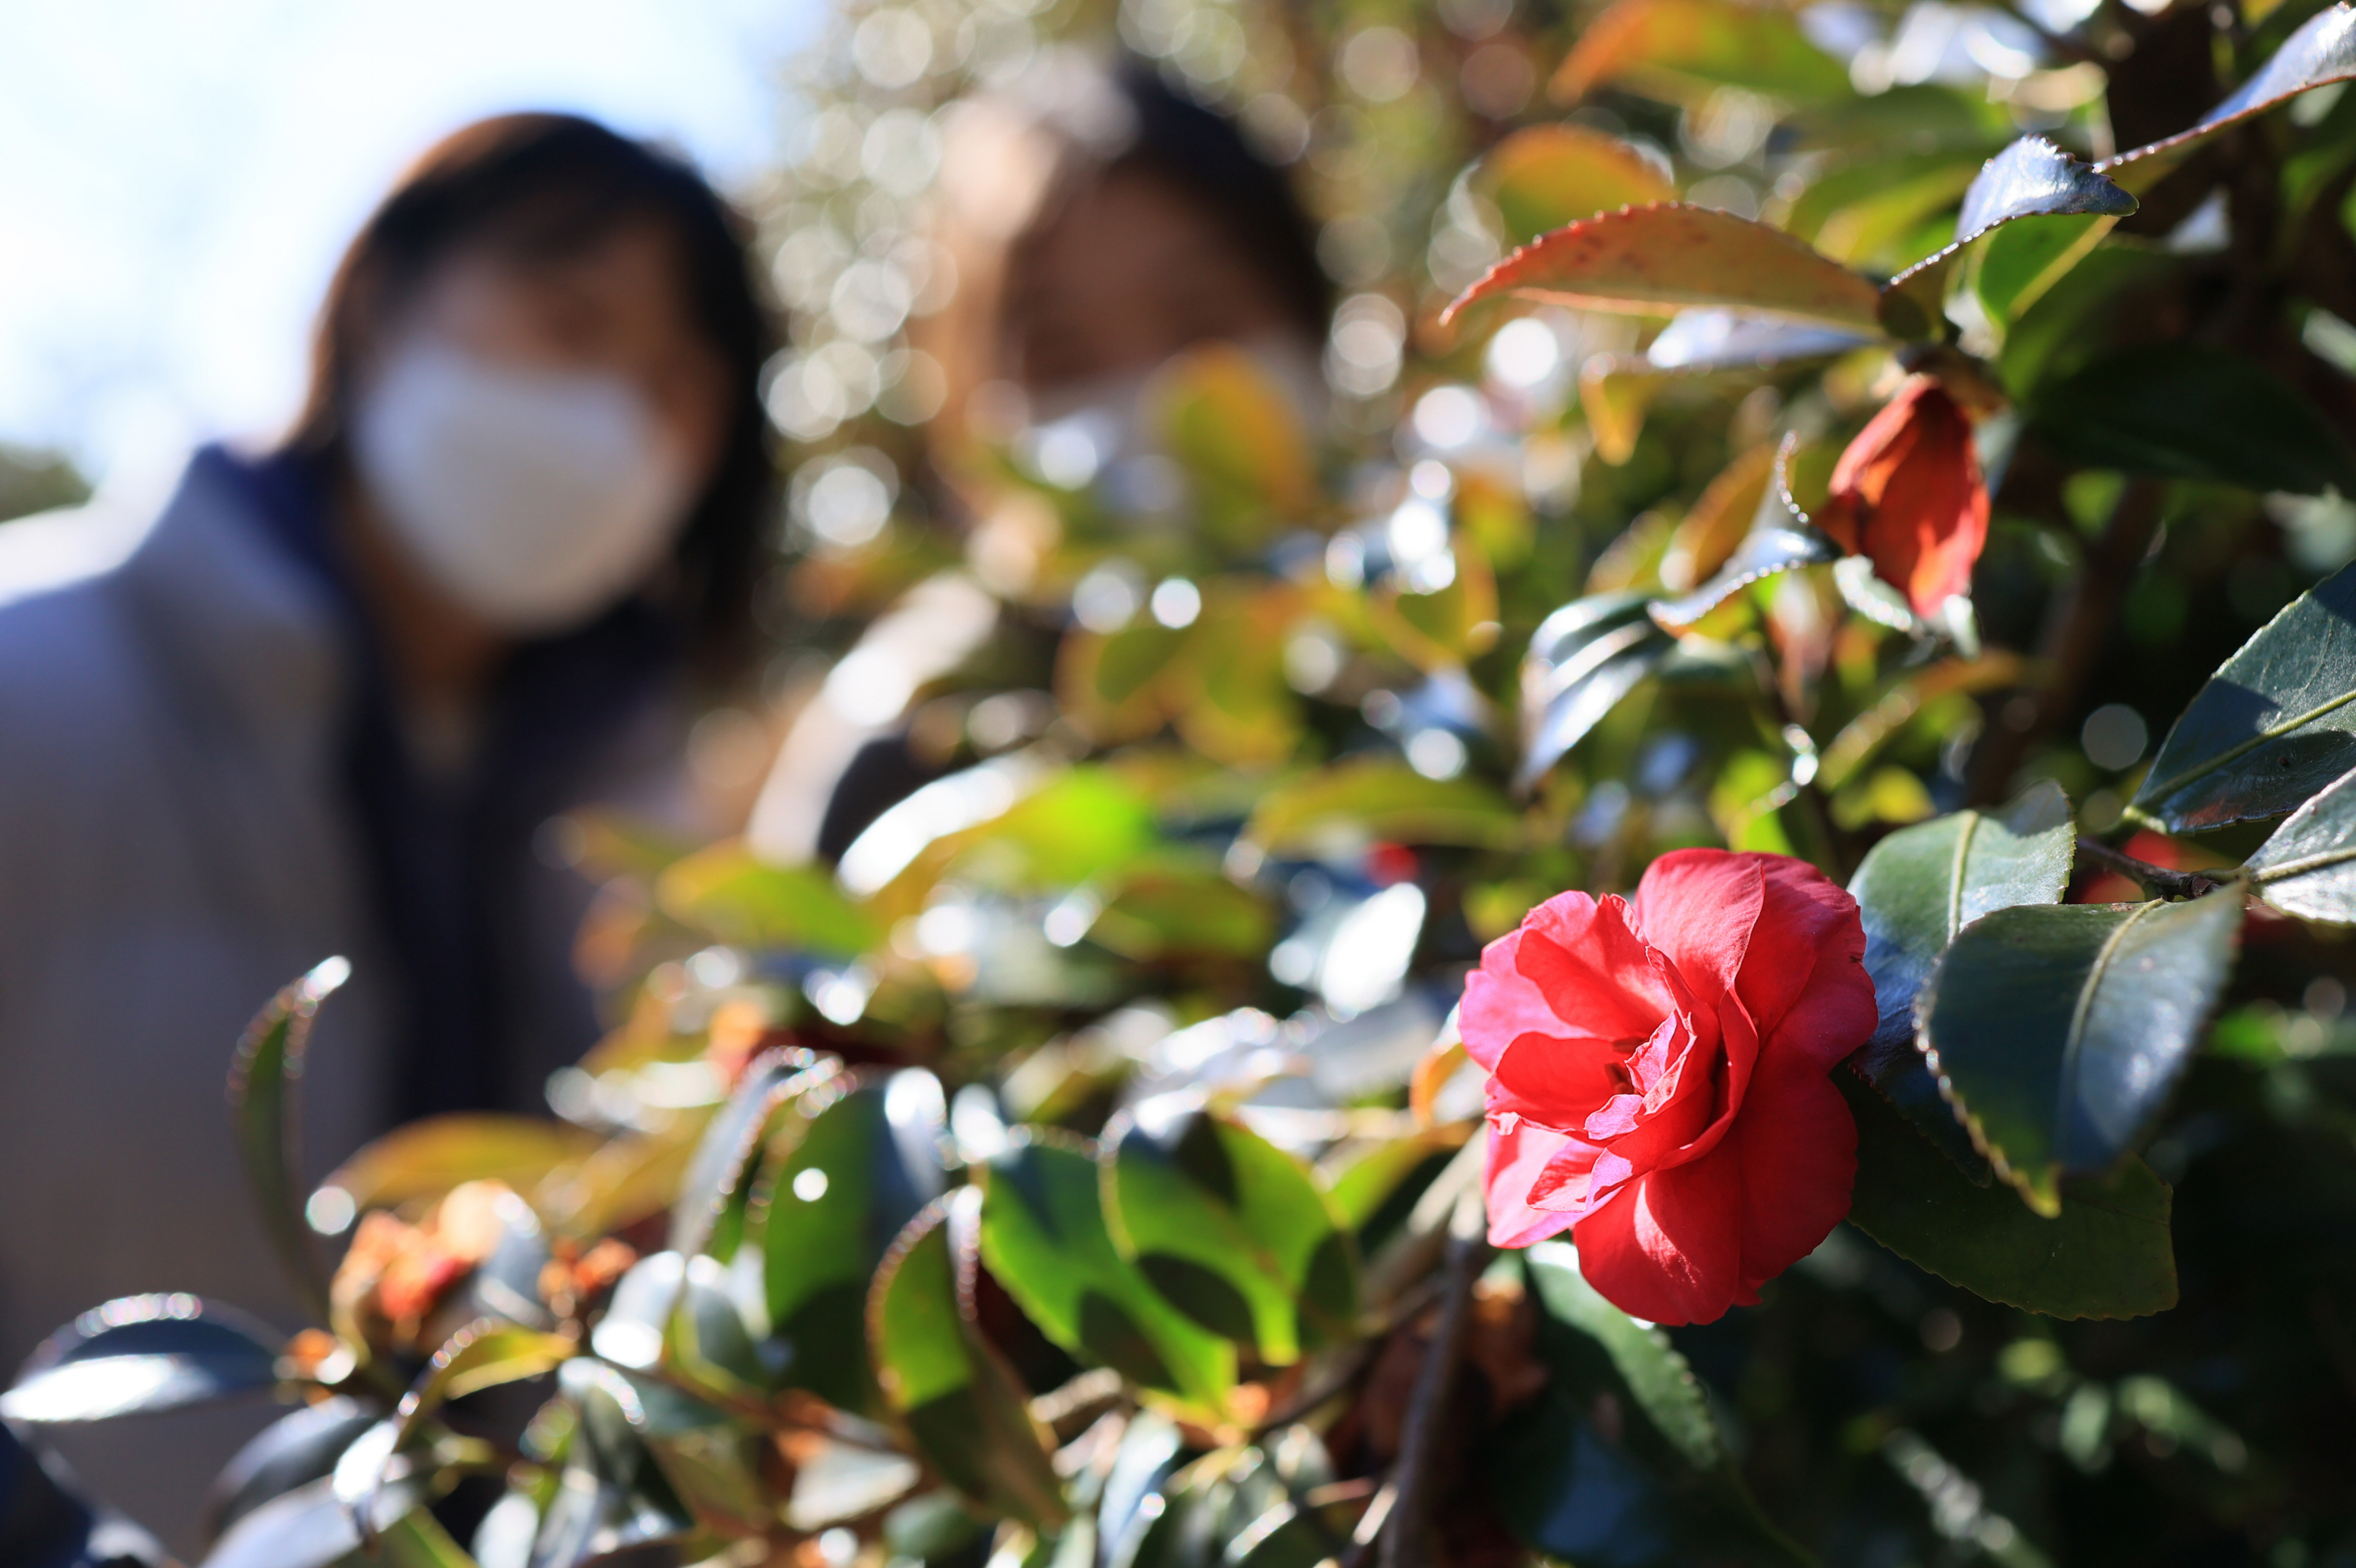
(1597, 965)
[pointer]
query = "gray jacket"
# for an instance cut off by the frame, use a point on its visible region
(175, 846)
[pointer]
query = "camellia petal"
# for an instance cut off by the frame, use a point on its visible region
(1665, 1095)
(1907, 494)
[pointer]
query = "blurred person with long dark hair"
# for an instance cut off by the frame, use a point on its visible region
(328, 703)
(1099, 224)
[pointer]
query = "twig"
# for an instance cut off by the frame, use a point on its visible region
(1406, 1532)
(2158, 878)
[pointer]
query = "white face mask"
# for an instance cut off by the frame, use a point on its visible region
(535, 498)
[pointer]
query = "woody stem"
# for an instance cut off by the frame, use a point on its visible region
(2158, 878)
(1407, 1540)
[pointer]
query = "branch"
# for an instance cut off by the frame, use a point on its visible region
(1406, 1535)
(2158, 878)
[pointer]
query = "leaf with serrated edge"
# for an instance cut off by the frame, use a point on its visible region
(1915, 890)
(2030, 179)
(1658, 259)
(2057, 1032)
(263, 1108)
(1656, 1376)
(2307, 867)
(2274, 725)
(1781, 540)
(732, 1137)
(2106, 1255)
(2322, 51)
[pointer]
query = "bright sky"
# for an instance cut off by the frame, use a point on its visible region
(178, 177)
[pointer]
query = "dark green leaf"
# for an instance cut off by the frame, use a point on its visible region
(1916, 890)
(262, 1107)
(2183, 410)
(1044, 1237)
(723, 1160)
(1655, 1376)
(834, 1207)
(955, 1394)
(614, 1492)
(2106, 1253)
(1660, 259)
(1233, 1232)
(2322, 50)
(43, 1524)
(292, 1451)
(143, 1354)
(1619, 1463)
(2272, 727)
(307, 1528)
(2308, 865)
(2057, 1030)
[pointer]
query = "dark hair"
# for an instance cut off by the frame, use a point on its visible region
(549, 185)
(1204, 153)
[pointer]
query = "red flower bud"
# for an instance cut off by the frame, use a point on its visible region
(1908, 494)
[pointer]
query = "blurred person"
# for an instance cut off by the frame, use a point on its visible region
(329, 699)
(1099, 224)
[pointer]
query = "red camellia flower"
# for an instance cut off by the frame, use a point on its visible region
(1657, 1077)
(1908, 494)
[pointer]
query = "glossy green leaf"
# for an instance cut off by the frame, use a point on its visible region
(1680, 48)
(1658, 259)
(1543, 177)
(1656, 1377)
(264, 1111)
(2057, 1030)
(2322, 50)
(1232, 1231)
(831, 1209)
(2106, 1253)
(293, 1451)
(1583, 660)
(651, 1464)
(724, 890)
(2183, 410)
(724, 1158)
(309, 1527)
(1764, 553)
(1044, 1238)
(1915, 890)
(2023, 260)
(2272, 727)
(2308, 867)
(958, 1399)
(1363, 799)
(141, 1354)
